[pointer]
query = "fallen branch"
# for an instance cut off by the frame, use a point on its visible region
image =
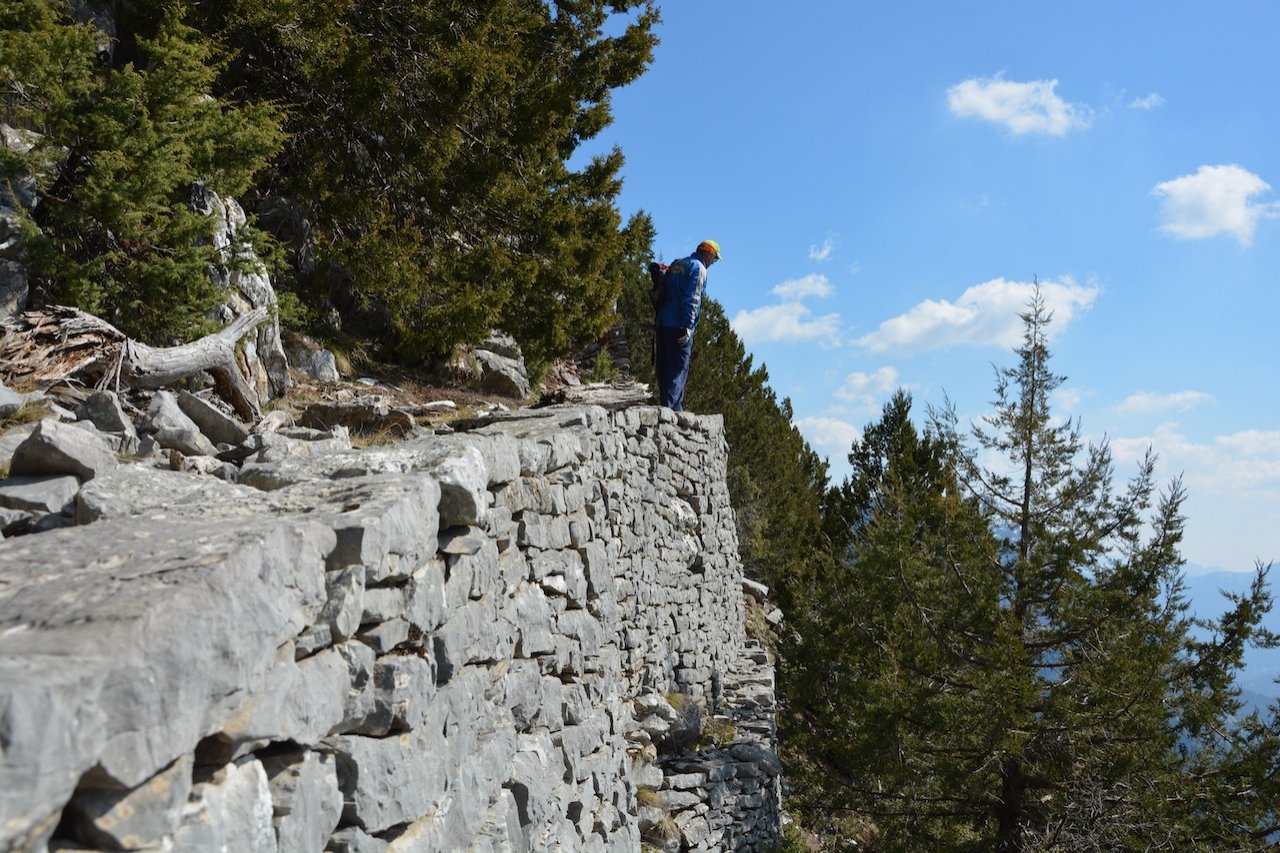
(43, 347)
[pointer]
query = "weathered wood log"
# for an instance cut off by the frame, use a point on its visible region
(44, 347)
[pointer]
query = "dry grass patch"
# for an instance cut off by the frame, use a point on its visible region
(27, 414)
(679, 701)
(719, 732)
(648, 797)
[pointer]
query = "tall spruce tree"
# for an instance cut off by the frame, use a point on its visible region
(1005, 660)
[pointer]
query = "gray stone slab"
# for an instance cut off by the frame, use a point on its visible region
(385, 636)
(231, 812)
(523, 693)
(464, 808)
(501, 829)
(165, 413)
(133, 490)
(317, 363)
(218, 427)
(38, 494)
(190, 442)
(103, 410)
(502, 375)
(305, 797)
(389, 781)
(427, 604)
(54, 448)
(297, 701)
(459, 471)
(366, 414)
(386, 524)
(52, 736)
(124, 649)
(340, 618)
(535, 620)
(598, 570)
(501, 453)
(360, 703)
(382, 604)
(137, 818)
(403, 686)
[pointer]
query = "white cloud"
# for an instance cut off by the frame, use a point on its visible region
(1032, 107)
(823, 252)
(863, 388)
(1233, 489)
(1069, 399)
(1147, 102)
(1144, 403)
(1249, 460)
(829, 436)
(988, 314)
(1215, 200)
(789, 321)
(795, 289)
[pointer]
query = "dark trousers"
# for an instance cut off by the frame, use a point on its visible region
(672, 363)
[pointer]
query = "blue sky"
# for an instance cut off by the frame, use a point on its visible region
(886, 179)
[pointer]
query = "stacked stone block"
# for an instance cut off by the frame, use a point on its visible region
(435, 645)
(726, 796)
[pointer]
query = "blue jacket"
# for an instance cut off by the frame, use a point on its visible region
(686, 282)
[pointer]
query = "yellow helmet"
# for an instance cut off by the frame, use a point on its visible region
(710, 246)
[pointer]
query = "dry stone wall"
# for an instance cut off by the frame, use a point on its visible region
(526, 636)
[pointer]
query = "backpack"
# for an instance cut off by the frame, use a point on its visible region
(658, 292)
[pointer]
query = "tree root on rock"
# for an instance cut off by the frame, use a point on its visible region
(43, 347)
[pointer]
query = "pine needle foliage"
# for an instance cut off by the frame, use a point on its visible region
(430, 146)
(430, 141)
(122, 135)
(1004, 658)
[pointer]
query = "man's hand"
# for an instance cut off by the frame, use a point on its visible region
(685, 334)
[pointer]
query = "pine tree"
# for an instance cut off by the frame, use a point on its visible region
(896, 665)
(1005, 660)
(117, 149)
(429, 143)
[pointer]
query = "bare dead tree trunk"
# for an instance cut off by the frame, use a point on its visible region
(42, 347)
(143, 366)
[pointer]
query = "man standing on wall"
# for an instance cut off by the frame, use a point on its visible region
(678, 318)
